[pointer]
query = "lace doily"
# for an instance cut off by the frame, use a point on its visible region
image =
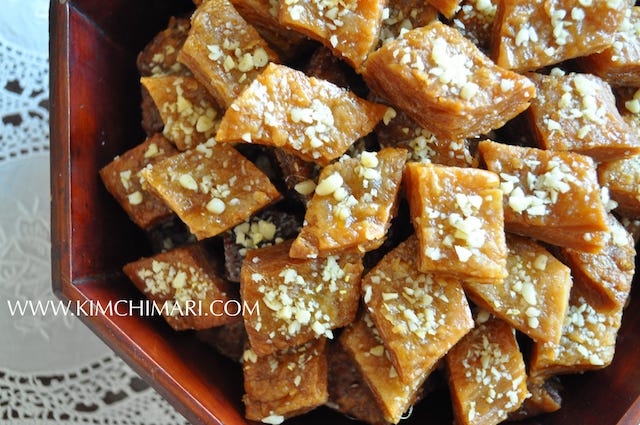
(79, 380)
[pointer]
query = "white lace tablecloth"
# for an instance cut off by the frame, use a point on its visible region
(53, 370)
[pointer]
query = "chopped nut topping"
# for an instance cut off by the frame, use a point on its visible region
(488, 366)
(469, 90)
(306, 187)
(584, 334)
(292, 300)
(135, 198)
(125, 179)
(255, 233)
(320, 120)
(377, 351)
(453, 69)
(185, 281)
(329, 185)
(273, 420)
(527, 33)
(539, 191)
(188, 182)
(249, 355)
(231, 56)
(152, 151)
(188, 112)
(633, 105)
(540, 262)
(389, 115)
(216, 206)
(369, 159)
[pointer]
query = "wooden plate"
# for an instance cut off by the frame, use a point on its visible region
(95, 116)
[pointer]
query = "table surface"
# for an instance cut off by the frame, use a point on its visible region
(52, 368)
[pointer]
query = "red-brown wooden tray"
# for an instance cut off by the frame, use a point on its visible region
(95, 116)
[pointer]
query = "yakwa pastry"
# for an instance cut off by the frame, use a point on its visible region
(397, 195)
